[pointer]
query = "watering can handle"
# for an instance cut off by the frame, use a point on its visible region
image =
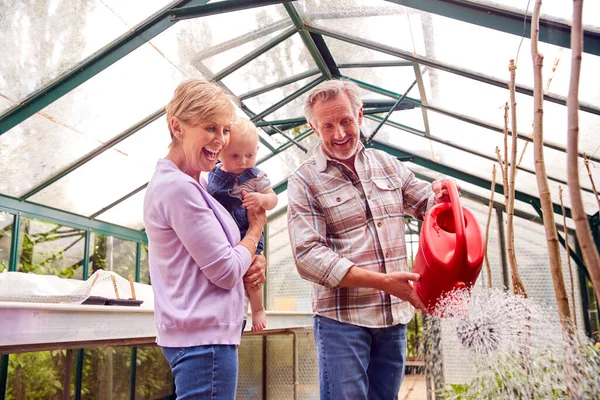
(459, 220)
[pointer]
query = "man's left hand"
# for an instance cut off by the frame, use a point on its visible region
(256, 272)
(441, 194)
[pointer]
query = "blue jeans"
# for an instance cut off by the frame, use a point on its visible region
(357, 362)
(204, 372)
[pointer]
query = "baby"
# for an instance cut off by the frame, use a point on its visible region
(237, 184)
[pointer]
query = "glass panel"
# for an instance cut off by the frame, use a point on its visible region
(106, 373)
(485, 141)
(26, 162)
(6, 221)
(153, 379)
(112, 254)
(128, 213)
(456, 94)
(395, 79)
(344, 52)
(293, 109)
(48, 248)
(378, 21)
(286, 290)
(38, 375)
(134, 12)
(229, 36)
(47, 38)
(258, 104)
(120, 96)
(111, 175)
(477, 166)
(288, 58)
(556, 10)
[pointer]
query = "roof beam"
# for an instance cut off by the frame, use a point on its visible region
(276, 85)
(308, 41)
(416, 132)
(459, 174)
(461, 117)
(515, 23)
(445, 67)
(111, 53)
(286, 34)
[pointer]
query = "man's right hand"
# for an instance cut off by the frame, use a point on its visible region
(399, 284)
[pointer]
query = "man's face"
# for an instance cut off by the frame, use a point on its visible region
(338, 125)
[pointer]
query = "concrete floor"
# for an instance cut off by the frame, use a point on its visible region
(413, 388)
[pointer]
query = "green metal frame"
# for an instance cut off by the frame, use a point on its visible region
(286, 34)
(466, 150)
(443, 66)
(458, 174)
(243, 39)
(385, 92)
(308, 41)
(287, 99)
(87, 69)
(96, 152)
(552, 32)
(276, 85)
(29, 209)
(220, 7)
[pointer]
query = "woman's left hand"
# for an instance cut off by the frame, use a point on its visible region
(256, 273)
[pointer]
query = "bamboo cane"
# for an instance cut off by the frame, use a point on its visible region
(560, 290)
(518, 286)
(568, 250)
(487, 226)
(587, 166)
(584, 235)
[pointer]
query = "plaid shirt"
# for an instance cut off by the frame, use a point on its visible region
(338, 219)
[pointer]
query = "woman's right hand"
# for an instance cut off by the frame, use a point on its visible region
(257, 218)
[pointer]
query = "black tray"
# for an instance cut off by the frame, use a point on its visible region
(123, 302)
(95, 301)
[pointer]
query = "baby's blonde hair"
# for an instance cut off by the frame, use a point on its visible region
(243, 127)
(197, 100)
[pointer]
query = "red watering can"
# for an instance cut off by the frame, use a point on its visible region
(450, 250)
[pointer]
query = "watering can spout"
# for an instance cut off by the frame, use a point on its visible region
(450, 252)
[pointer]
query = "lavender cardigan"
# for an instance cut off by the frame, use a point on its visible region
(196, 264)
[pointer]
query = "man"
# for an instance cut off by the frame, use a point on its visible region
(346, 224)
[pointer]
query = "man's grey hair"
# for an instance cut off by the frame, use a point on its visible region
(330, 89)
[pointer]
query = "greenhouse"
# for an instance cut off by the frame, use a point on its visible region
(83, 89)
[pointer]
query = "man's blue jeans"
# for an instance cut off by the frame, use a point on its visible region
(204, 372)
(357, 362)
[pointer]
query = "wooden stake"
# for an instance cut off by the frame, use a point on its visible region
(566, 232)
(560, 291)
(518, 286)
(114, 282)
(487, 226)
(582, 227)
(586, 161)
(131, 286)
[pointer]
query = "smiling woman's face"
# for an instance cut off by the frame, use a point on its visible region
(202, 143)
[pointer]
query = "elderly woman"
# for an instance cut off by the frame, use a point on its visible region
(197, 260)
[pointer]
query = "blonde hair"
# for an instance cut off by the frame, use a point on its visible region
(243, 126)
(197, 100)
(329, 89)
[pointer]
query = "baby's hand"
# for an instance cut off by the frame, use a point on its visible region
(252, 200)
